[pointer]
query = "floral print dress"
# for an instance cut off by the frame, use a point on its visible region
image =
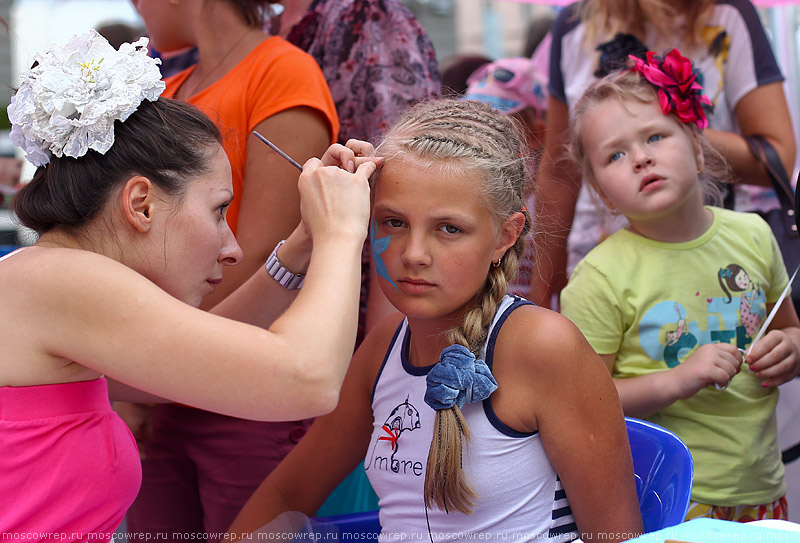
(378, 61)
(376, 57)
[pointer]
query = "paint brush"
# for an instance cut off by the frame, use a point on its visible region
(766, 322)
(772, 313)
(277, 150)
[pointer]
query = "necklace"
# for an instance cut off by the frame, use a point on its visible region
(199, 85)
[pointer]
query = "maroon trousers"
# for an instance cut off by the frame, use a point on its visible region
(199, 470)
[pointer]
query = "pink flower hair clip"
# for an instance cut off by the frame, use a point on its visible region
(677, 86)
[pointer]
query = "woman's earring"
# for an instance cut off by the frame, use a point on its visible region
(497, 264)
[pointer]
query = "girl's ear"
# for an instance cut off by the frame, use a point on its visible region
(136, 200)
(509, 232)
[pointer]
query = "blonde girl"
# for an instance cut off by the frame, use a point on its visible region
(726, 43)
(637, 138)
(471, 409)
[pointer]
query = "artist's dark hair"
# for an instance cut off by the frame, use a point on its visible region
(252, 10)
(166, 141)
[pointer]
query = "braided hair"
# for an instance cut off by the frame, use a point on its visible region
(466, 135)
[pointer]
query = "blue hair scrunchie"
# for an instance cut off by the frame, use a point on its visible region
(458, 378)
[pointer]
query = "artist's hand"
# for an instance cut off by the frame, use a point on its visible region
(711, 364)
(334, 201)
(337, 161)
(775, 358)
(350, 156)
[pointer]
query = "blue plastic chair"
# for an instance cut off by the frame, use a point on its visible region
(663, 470)
(359, 526)
(5, 249)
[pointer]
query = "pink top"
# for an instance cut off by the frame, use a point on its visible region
(69, 466)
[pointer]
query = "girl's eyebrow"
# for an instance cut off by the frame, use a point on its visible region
(651, 125)
(455, 217)
(646, 126)
(450, 216)
(611, 144)
(385, 208)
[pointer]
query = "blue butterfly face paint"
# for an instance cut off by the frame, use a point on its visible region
(379, 245)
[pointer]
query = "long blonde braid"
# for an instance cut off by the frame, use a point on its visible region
(466, 136)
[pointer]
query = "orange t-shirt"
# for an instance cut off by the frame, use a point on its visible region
(274, 77)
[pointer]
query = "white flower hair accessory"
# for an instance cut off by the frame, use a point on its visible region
(68, 102)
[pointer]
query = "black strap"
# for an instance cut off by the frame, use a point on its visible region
(790, 203)
(797, 204)
(791, 454)
(768, 156)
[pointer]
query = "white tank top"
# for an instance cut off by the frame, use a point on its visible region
(520, 497)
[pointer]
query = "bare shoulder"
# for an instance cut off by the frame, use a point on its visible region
(71, 270)
(541, 363)
(68, 292)
(551, 381)
(542, 340)
(59, 297)
(47, 282)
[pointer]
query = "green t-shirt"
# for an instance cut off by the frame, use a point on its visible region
(655, 303)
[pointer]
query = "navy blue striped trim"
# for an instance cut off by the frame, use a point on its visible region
(492, 340)
(561, 512)
(564, 513)
(488, 409)
(416, 371)
(385, 358)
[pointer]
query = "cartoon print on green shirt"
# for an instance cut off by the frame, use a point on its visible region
(678, 339)
(733, 278)
(669, 338)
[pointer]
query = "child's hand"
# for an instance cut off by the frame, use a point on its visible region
(350, 156)
(711, 364)
(775, 358)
